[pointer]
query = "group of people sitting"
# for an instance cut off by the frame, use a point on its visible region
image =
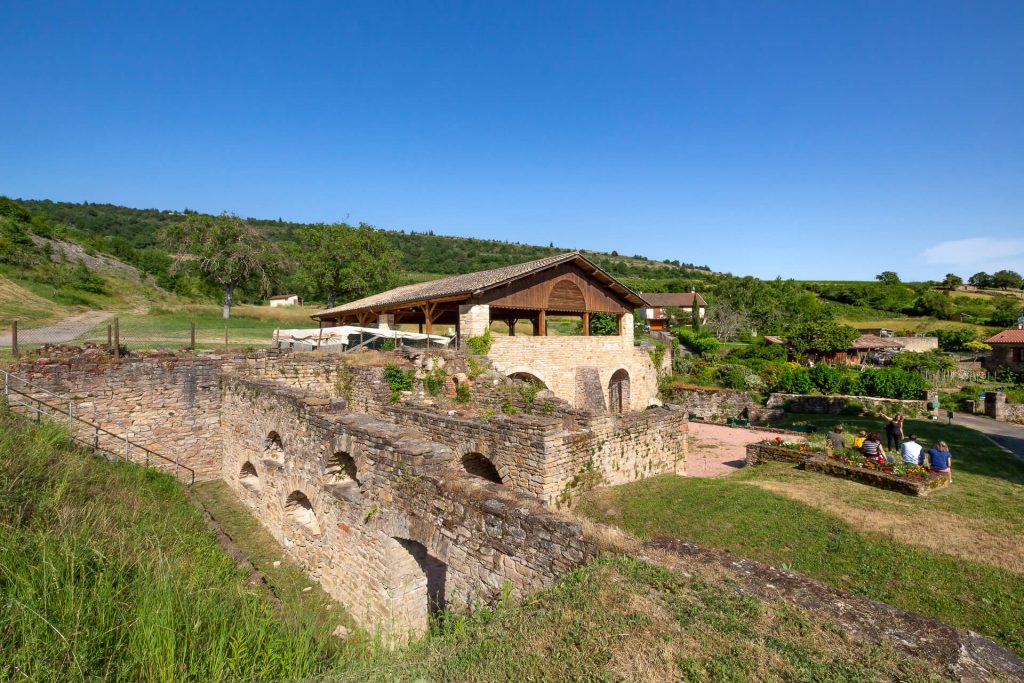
(936, 459)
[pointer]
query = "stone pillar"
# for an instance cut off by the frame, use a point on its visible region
(386, 321)
(627, 330)
(995, 405)
(473, 321)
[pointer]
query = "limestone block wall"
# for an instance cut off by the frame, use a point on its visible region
(556, 360)
(708, 402)
(166, 402)
(397, 532)
(997, 408)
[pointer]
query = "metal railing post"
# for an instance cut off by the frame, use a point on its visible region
(126, 442)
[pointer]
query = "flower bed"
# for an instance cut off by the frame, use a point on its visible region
(908, 479)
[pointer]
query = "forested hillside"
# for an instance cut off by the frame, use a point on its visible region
(118, 228)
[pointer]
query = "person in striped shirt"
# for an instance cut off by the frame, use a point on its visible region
(872, 448)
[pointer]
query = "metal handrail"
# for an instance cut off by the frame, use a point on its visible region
(97, 430)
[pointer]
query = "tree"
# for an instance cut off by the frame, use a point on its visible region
(981, 280)
(1005, 311)
(888, 277)
(822, 336)
(341, 260)
(227, 250)
(952, 281)
(1006, 279)
(604, 324)
(935, 304)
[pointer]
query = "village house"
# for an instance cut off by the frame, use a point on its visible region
(590, 371)
(1007, 350)
(285, 300)
(859, 351)
(659, 315)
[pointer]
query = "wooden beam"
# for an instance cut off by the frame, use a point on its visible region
(586, 324)
(542, 329)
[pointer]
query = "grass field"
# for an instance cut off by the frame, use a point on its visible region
(917, 325)
(957, 555)
(107, 573)
(28, 308)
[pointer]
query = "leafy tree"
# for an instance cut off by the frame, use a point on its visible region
(604, 324)
(982, 280)
(1007, 279)
(955, 340)
(227, 250)
(1005, 311)
(952, 281)
(888, 277)
(341, 260)
(935, 304)
(822, 336)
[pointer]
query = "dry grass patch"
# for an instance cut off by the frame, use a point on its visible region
(939, 530)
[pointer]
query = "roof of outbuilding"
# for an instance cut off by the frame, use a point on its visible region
(873, 341)
(680, 299)
(472, 283)
(1007, 337)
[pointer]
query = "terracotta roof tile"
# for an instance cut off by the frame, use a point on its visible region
(1007, 337)
(680, 299)
(873, 341)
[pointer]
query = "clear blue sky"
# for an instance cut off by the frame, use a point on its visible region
(802, 139)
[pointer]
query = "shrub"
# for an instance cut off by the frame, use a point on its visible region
(701, 344)
(826, 378)
(398, 380)
(433, 382)
(508, 408)
(481, 344)
(462, 393)
(894, 383)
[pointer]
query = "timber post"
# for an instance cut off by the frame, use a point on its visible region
(14, 339)
(117, 338)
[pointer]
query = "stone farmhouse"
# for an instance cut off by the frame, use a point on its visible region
(1007, 350)
(402, 501)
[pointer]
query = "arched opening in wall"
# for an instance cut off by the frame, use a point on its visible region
(248, 478)
(299, 509)
(273, 449)
(479, 466)
(342, 481)
(618, 392)
(527, 377)
(416, 584)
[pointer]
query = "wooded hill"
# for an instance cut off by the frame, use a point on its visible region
(119, 229)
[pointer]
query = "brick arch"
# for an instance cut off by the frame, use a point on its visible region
(619, 391)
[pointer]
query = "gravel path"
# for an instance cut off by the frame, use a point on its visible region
(64, 331)
(1008, 435)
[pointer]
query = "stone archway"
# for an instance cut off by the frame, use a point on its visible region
(341, 476)
(618, 392)
(273, 449)
(527, 376)
(416, 584)
(477, 465)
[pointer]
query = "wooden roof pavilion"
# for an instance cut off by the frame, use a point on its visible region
(565, 284)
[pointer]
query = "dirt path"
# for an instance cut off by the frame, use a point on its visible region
(1008, 435)
(58, 333)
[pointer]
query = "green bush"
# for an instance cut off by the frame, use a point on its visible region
(481, 344)
(398, 380)
(462, 393)
(826, 379)
(701, 344)
(894, 383)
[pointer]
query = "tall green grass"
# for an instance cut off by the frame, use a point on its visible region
(106, 572)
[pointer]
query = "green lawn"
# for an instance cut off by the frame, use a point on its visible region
(950, 555)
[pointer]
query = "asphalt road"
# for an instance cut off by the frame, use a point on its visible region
(1006, 434)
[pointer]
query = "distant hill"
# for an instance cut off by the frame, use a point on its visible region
(424, 253)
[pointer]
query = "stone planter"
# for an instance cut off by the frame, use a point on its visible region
(762, 452)
(884, 480)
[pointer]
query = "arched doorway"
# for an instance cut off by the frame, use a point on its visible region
(479, 466)
(273, 449)
(618, 392)
(416, 585)
(341, 478)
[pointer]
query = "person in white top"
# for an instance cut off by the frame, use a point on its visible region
(911, 451)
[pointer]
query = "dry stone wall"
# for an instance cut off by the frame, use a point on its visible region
(711, 402)
(403, 530)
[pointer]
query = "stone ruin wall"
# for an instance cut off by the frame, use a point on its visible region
(712, 402)
(411, 529)
(168, 403)
(997, 408)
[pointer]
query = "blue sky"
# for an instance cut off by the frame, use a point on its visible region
(802, 139)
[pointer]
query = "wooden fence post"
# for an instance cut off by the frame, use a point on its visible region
(110, 336)
(117, 338)
(192, 339)
(14, 338)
